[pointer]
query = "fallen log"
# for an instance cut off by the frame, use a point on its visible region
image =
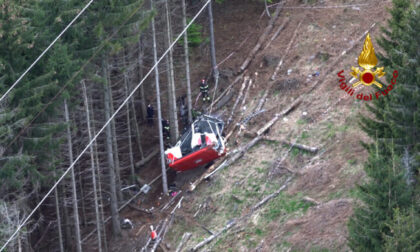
(184, 240)
(264, 97)
(202, 177)
(206, 229)
(166, 226)
(140, 209)
(171, 201)
(246, 93)
(147, 158)
(271, 196)
(245, 217)
(144, 248)
(236, 156)
(212, 237)
(251, 116)
(310, 200)
(281, 27)
(222, 102)
(238, 99)
(278, 67)
(261, 40)
(237, 79)
(277, 117)
(295, 145)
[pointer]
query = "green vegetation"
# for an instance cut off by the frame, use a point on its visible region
(284, 204)
(194, 33)
(388, 218)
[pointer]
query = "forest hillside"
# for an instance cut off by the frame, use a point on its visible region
(318, 101)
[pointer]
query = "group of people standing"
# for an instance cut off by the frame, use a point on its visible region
(204, 89)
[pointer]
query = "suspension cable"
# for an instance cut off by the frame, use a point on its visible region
(103, 128)
(46, 50)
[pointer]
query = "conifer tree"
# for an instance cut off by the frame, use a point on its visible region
(375, 225)
(385, 190)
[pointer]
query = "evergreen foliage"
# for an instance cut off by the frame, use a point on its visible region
(195, 34)
(405, 230)
(388, 198)
(385, 190)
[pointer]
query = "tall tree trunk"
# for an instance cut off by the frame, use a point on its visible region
(101, 203)
(141, 75)
(57, 210)
(66, 217)
(114, 142)
(130, 147)
(133, 107)
(92, 165)
(116, 228)
(187, 62)
(173, 116)
(162, 152)
(73, 181)
(215, 71)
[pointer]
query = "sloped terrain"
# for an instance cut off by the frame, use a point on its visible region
(311, 213)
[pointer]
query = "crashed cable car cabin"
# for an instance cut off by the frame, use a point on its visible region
(199, 145)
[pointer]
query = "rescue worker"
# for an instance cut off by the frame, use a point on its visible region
(204, 88)
(165, 129)
(150, 113)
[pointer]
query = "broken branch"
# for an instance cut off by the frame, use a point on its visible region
(296, 145)
(184, 240)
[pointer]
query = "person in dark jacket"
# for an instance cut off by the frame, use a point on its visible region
(204, 88)
(150, 114)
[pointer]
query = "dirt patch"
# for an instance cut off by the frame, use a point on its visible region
(321, 227)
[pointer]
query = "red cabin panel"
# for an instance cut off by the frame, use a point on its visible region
(196, 159)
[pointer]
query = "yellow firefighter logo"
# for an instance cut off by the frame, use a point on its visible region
(367, 61)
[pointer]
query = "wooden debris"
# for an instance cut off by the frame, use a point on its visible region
(171, 201)
(207, 230)
(140, 209)
(281, 27)
(277, 117)
(236, 156)
(150, 239)
(238, 98)
(140, 229)
(237, 79)
(295, 145)
(184, 240)
(264, 97)
(246, 94)
(261, 40)
(202, 177)
(147, 158)
(245, 217)
(271, 196)
(166, 226)
(310, 200)
(278, 67)
(212, 237)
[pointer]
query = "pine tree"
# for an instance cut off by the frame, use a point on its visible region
(385, 190)
(396, 115)
(405, 231)
(374, 225)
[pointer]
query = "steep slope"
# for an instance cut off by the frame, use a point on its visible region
(312, 211)
(326, 118)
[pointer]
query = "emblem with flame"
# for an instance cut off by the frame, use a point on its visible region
(368, 61)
